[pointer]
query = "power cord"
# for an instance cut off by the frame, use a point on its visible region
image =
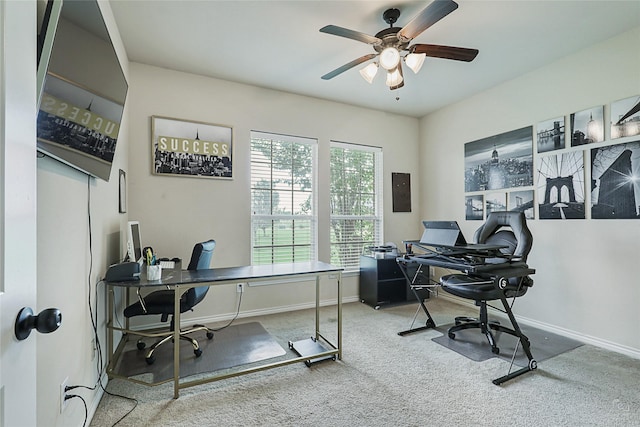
(94, 324)
(234, 317)
(84, 402)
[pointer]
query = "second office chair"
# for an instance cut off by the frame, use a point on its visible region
(162, 303)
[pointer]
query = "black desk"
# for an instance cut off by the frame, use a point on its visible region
(476, 260)
(469, 259)
(181, 280)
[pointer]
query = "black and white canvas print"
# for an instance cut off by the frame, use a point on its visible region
(587, 126)
(495, 202)
(521, 201)
(474, 207)
(615, 181)
(625, 117)
(550, 135)
(189, 148)
(561, 186)
(500, 161)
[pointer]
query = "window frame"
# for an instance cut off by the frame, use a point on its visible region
(312, 217)
(377, 217)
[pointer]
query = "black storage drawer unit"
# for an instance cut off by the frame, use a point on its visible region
(382, 282)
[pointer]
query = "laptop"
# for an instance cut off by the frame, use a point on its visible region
(448, 234)
(442, 233)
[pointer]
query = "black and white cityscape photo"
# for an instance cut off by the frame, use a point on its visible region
(550, 135)
(561, 186)
(587, 126)
(499, 161)
(521, 201)
(615, 180)
(191, 148)
(495, 202)
(474, 207)
(625, 117)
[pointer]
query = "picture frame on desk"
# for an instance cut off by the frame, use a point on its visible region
(191, 148)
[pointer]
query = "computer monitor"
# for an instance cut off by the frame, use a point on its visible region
(134, 241)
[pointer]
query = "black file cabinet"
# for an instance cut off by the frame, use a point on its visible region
(382, 283)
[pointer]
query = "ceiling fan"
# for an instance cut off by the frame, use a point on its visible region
(391, 42)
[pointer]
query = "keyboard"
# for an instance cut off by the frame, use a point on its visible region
(170, 265)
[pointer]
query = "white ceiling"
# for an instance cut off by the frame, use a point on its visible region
(277, 45)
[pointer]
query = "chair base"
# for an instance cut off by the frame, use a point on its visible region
(485, 327)
(150, 357)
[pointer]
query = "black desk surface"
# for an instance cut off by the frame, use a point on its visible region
(229, 274)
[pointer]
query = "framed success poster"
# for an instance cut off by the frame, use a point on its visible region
(191, 149)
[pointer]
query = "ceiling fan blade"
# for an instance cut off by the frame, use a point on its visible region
(431, 14)
(347, 66)
(350, 34)
(446, 52)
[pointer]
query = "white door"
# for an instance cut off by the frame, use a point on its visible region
(17, 209)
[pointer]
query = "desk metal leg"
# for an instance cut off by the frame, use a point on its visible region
(110, 308)
(339, 315)
(430, 323)
(177, 291)
(312, 346)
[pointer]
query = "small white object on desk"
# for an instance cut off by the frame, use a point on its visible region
(154, 272)
(170, 265)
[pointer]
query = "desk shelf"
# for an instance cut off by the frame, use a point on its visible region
(383, 284)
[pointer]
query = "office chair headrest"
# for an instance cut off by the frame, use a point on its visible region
(518, 224)
(201, 255)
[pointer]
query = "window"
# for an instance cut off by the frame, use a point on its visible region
(283, 200)
(356, 202)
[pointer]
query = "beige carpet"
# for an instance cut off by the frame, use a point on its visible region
(388, 380)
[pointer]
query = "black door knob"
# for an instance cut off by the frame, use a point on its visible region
(46, 321)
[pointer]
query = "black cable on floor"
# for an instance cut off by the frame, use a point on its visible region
(94, 325)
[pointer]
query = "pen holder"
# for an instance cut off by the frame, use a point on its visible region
(154, 272)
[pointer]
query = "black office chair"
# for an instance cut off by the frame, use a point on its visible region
(506, 281)
(162, 303)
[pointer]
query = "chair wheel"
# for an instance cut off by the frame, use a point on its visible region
(150, 359)
(452, 335)
(197, 352)
(495, 350)
(209, 334)
(141, 345)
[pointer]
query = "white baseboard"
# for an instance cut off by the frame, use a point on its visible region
(93, 407)
(586, 339)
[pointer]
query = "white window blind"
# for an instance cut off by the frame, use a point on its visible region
(283, 199)
(356, 202)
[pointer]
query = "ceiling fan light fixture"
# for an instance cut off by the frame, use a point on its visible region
(369, 72)
(389, 58)
(415, 61)
(394, 78)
